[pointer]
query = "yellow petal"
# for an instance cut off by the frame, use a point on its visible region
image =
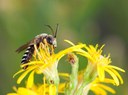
(25, 73)
(117, 68)
(39, 55)
(32, 63)
(52, 90)
(64, 74)
(30, 80)
(12, 94)
(108, 88)
(101, 73)
(85, 54)
(98, 91)
(61, 87)
(70, 49)
(113, 76)
(107, 80)
(69, 42)
(24, 91)
(20, 71)
(118, 75)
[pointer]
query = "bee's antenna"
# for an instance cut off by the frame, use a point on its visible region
(51, 29)
(57, 27)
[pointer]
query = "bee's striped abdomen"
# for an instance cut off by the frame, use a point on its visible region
(27, 55)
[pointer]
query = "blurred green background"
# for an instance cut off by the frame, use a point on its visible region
(87, 21)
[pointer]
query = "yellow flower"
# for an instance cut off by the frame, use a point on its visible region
(45, 61)
(40, 89)
(44, 89)
(101, 64)
(23, 91)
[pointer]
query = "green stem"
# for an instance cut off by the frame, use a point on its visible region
(79, 91)
(52, 76)
(73, 77)
(89, 75)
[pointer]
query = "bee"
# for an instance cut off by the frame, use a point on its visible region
(29, 46)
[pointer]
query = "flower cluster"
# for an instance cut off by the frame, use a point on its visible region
(91, 78)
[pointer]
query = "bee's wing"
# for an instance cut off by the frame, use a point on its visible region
(23, 47)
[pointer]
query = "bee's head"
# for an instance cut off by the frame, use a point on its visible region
(51, 39)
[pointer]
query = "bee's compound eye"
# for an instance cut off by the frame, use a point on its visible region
(50, 40)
